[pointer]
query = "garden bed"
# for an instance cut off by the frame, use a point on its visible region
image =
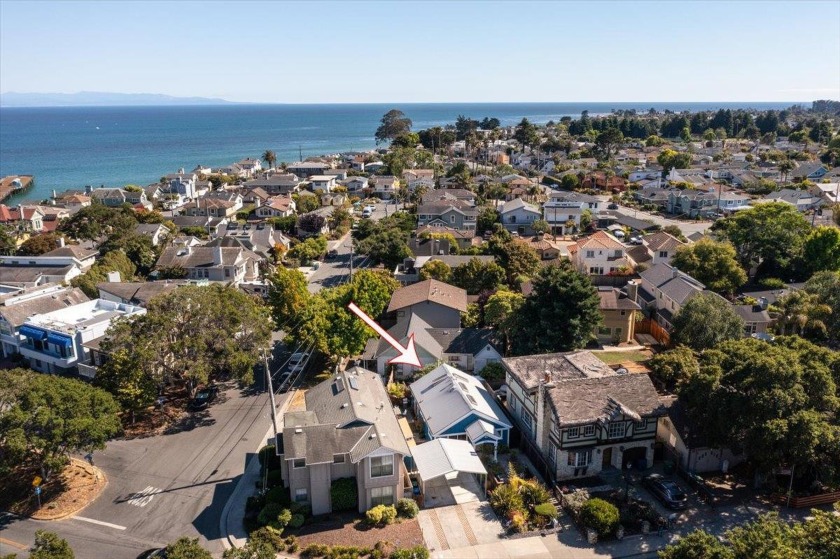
(630, 519)
(349, 529)
(64, 494)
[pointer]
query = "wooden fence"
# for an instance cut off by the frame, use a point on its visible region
(811, 500)
(648, 326)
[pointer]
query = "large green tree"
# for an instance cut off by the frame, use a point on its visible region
(331, 327)
(288, 295)
(518, 259)
(187, 548)
(697, 545)
(194, 334)
(559, 315)
(825, 286)
(777, 402)
(436, 269)
(8, 240)
(821, 249)
(500, 312)
(675, 366)
(771, 234)
(670, 159)
(51, 417)
(115, 261)
(393, 124)
(97, 220)
(39, 244)
(712, 263)
(386, 247)
(704, 321)
(49, 545)
(476, 276)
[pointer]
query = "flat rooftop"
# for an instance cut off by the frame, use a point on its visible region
(83, 315)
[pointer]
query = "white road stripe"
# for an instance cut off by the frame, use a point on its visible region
(92, 521)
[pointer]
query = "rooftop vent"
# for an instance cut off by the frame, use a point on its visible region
(298, 431)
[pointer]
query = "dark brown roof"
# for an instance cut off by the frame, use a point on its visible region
(429, 290)
(581, 401)
(139, 292)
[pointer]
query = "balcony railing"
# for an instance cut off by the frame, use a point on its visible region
(87, 371)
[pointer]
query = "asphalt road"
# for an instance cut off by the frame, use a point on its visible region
(164, 487)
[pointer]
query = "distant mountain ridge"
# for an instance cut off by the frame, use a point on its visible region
(101, 99)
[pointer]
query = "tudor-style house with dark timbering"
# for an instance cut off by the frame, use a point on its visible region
(578, 416)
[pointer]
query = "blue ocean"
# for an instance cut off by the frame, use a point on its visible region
(70, 147)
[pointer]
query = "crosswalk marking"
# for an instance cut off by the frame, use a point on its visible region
(144, 497)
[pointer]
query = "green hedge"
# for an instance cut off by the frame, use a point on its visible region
(344, 494)
(418, 552)
(599, 515)
(407, 508)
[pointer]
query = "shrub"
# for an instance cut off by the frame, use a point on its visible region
(296, 521)
(417, 552)
(278, 495)
(282, 520)
(254, 504)
(493, 373)
(518, 520)
(407, 508)
(289, 540)
(534, 493)
(268, 456)
(274, 478)
(599, 515)
(301, 508)
(315, 550)
(347, 552)
(397, 390)
(267, 537)
(544, 513)
(574, 501)
(380, 515)
(505, 498)
(269, 513)
(344, 494)
(381, 550)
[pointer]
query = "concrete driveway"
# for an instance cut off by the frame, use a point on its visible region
(459, 526)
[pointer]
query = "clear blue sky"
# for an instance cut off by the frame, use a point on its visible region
(314, 52)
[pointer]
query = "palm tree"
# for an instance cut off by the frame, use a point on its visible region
(785, 167)
(270, 158)
(800, 311)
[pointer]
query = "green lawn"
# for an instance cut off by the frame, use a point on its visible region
(616, 357)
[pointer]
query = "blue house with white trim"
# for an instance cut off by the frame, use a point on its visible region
(453, 404)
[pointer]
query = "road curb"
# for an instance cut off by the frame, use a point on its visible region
(98, 473)
(228, 539)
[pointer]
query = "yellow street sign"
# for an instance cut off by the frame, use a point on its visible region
(37, 481)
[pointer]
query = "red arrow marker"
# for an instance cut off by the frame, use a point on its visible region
(407, 355)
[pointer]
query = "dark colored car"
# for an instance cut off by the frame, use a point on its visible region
(159, 553)
(667, 491)
(203, 398)
(332, 254)
(612, 206)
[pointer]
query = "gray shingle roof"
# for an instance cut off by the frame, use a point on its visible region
(675, 284)
(18, 313)
(581, 401)
(529, 369)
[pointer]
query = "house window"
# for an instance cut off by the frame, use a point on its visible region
(604, 331)
(512, 403)
(227, 272)
(451, 219)
(552, 453)
(588, 430)
(299, 463)
(663, 254)
(590, 254)
(526, 419)
(338, 459)
(579, 459)
(573, 432)
(641, 425)
(382, 466)
(301, 495)
(381, 496)
(617, 430)
(596, 270)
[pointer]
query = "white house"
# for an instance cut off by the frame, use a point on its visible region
(322, 183)
(455, 405)
(600, 254)
(54, 342)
